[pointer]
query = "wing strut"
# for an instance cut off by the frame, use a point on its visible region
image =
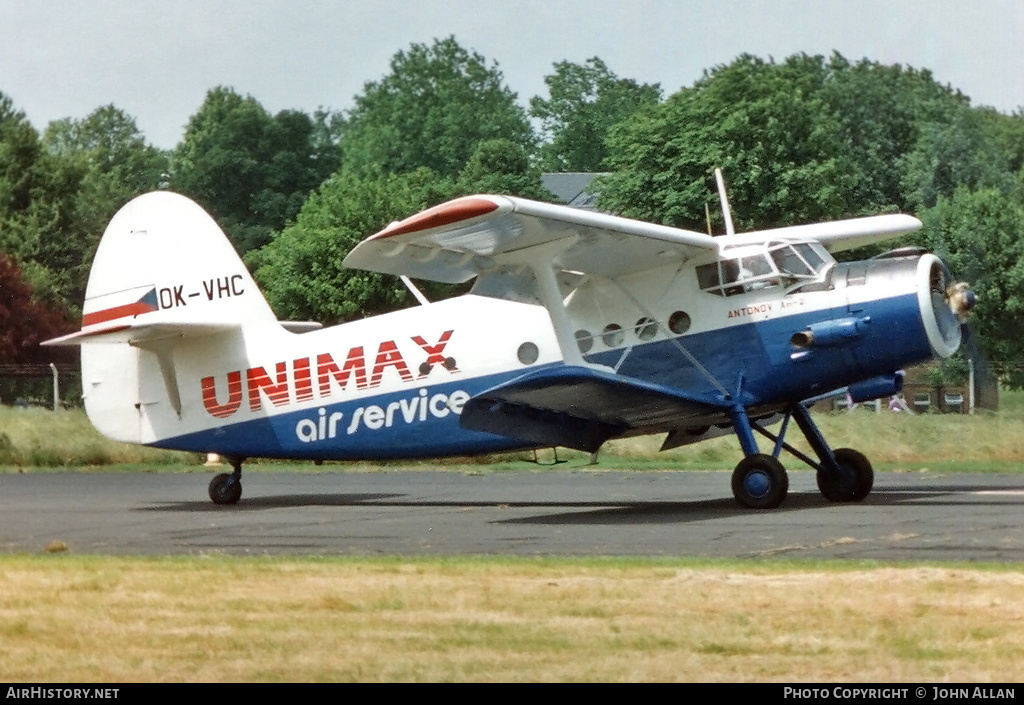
(551, 296)
(539, 261)
(726, 213)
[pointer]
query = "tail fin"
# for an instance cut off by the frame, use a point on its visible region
(163, 260)
(164, 271)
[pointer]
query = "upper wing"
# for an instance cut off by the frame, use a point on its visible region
(835, 235)
(475, 235)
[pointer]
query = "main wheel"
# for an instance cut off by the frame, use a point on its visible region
(760, 482)
(225, 488)
(855, 481)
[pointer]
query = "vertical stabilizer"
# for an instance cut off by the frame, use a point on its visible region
(162, 258)
(164, 278)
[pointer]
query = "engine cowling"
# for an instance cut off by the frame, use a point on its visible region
(942, 302)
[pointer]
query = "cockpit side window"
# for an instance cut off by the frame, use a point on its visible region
(790, 263)
(737, 275)
(778, 263)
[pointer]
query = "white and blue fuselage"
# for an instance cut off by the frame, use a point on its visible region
(394, 386)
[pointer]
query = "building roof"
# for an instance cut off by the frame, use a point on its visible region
(572, 188)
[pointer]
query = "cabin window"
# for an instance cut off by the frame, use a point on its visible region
(646, 328)
(738, 275)
(585, 340)
(612, 335)
(679, 322)
(528, 353)
(707, 276)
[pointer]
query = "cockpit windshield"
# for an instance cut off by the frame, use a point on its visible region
(774, 264)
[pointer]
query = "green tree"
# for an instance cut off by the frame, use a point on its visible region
(957, 151)
(980, 234)
(37, 193)
(765, 124)
(250, 170)
(880, 110)
(95, 166)
(808, 139)
(20, 153)
(301, 270)
(585, 101)
(500, 166)
(432, 110)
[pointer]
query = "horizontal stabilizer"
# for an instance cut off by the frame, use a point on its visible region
(579, 407)
(134, 334)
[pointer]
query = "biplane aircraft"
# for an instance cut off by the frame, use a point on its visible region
(580, 327)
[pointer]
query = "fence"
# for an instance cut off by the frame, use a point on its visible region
(40, 384)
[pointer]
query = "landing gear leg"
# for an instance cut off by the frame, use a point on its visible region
(759, 481)
(226, 488)
(844, 475)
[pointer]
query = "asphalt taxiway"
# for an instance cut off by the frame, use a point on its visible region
(910, 516)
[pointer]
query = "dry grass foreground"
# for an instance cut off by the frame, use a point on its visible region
(92, 619)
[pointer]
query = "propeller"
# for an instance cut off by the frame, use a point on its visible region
(961, 300)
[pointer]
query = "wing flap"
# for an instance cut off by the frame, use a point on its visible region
(580, 408)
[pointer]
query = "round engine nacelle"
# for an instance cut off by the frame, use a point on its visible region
(934, 291)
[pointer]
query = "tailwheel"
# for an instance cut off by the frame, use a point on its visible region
(226, 488)
(854, 480)
(760, 482)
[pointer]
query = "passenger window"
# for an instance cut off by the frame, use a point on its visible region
(707, 276)
(612, 335)
(528, 353)
(646, 328)
(585, 340)
(679, 322)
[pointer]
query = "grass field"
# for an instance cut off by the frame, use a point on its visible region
(94, 619)
(33, 439)
(214, 618)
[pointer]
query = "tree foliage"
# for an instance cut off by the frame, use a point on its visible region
(501, 166)
(586, 101)
(301, 271)
(99, 163)
(432, 110)
(24, 320)
(980, 234)
(250, 169)
(802, 140)
(765, 124)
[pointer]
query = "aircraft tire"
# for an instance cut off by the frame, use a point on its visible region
(836, 490)
(225, 489)
(760, 482)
